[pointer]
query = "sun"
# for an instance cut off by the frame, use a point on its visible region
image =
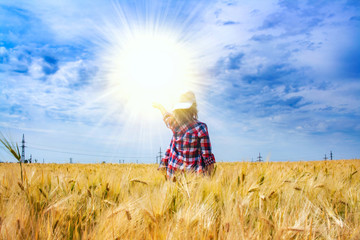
(150, 68)
(152, 62)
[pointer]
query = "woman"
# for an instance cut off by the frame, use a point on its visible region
(190, 147)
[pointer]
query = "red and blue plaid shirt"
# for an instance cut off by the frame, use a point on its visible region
(189, 149)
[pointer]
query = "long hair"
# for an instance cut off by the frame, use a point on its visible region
(185, 116)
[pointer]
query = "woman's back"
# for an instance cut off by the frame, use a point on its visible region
(190, 147)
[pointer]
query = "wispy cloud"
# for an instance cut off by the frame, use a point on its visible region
(275, 69)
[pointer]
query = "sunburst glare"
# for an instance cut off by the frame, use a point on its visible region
(148, 59)
(149, 67)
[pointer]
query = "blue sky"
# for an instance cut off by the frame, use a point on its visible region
(277, 77)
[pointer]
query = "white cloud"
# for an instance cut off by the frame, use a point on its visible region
(68, 20)
(78, 108)
(342, 97)
(35, 68)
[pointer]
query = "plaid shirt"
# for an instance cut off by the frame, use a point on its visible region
(189, 149)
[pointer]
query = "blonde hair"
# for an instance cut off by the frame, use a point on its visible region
(184, 116)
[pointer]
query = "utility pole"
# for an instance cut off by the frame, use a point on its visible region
(331, 155)
(156, 161)
(160, 154)
(259, 158)
(325, 158)
(71, 160)
(23, 149)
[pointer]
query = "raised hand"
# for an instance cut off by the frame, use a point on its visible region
(160, 107)
(157, 105)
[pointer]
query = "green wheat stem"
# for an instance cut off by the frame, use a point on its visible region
(13, 149)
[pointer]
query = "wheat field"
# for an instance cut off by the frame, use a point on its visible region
(292, 200)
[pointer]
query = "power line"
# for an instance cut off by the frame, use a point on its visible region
(86, 154)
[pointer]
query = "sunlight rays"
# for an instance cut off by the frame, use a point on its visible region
(148, 54)
(147, 59)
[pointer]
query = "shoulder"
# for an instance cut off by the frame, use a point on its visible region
(201, 128)
(201, 124)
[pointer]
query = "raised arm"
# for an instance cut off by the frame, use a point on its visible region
(160, 107)
(168, 117)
